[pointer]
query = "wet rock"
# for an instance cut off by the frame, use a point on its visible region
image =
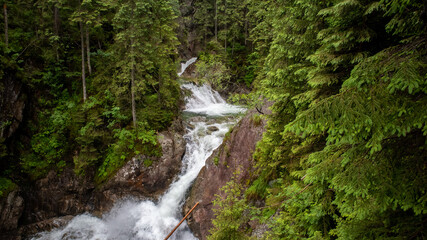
(46, 225)
(234, 153)
(190, 126)
(213, 128)
(145, 177)
(258, 229)
(12, 104)
(197, 119)
(58, 194)
(11, 209)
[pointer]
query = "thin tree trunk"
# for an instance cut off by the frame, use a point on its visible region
(216, 21)
(83, 62)
(88, 51)
(232, 48)
(56, 29)
(133, 89)
(246, 28)
(225, 40)
(6, 34)
(56, 20)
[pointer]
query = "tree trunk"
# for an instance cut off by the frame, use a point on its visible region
(88, 51)
(83, 62)
(6, 34)
(225, 40)
(56, 20)
(56, 29)
(246, 28)
(133, 89)
(132, 77)
(232, 48)
(216, 21)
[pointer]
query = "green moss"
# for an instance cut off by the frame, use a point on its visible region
(6, 186)
(257, 119)
(216, 160)
(148, 162)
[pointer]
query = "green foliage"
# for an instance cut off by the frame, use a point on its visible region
(346, 142)
(6, 186)
(50, 141)
(229, 209)
(127, 144)
(212, 69)
(216, 160)
(258, 189)
(148, 162)
(59, 130)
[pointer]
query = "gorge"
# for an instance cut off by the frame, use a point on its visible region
(99, 137)
(150, 220)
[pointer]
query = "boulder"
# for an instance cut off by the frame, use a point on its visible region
(213, 128)
(144, 177)
(11, 209)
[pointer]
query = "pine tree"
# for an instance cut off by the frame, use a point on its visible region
(348, 81)
(204, 18)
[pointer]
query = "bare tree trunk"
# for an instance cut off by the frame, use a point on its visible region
(216, 21)
(246, 27)
(88, 51)
(56, 20)
(225, 40)
(232, 48)
(83, 62)
(56, 29)
(6, 34)
(133, 89)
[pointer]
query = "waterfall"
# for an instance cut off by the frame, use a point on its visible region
(186, 64)
(147, 220)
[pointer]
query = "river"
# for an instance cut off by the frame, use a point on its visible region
(209, 118)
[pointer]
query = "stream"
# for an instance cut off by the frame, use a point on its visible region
(209, 118)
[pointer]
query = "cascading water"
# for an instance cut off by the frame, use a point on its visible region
(186, 65)
(147, 220)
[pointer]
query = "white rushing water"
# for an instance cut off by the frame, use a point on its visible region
(186, 64)
(147, 220)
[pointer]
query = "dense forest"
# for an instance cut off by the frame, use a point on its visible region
(344, 154)
(99, 78)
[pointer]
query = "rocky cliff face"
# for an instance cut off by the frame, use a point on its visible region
(12, 104)
(11, 209)
(50, 202)
(234, 153)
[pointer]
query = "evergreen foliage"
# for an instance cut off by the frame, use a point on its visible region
(46, 54)
(346, 142)
(229, 210)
